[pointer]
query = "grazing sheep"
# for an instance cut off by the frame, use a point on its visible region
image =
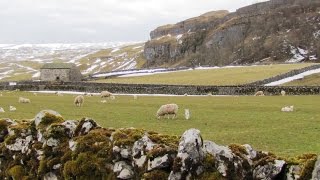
(105, 94)
(24, 100)
(78, 101)
(209, 94)
(88, 94)
(187, 114)
(283, 93)
(186, 94)
(1, 110)
(35, 94)
(287, 109)
(12, 108)
(168, 109)
(259, 93)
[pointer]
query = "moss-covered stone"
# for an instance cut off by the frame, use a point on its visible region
(49, 119)
(306, 163)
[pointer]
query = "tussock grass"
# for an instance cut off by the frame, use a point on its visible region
(225, 120)
(222, 76)
(312, 80)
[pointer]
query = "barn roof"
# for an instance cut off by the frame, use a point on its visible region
(58, 66)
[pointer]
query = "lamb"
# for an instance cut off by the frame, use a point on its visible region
(187, 114)
(24, 100)
(135, 97)
(12, 108)
(283, 93)
(259, 93)
(105, 94)
(78, 101)
(1, 110)
(287, 109)
(168, 109)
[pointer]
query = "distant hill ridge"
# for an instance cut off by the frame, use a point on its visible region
(267, 32)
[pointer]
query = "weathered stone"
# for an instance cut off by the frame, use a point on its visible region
(159, 162)
(294, 172)
(190, 152)
(20, 144)
(50, 176)
(316, 170)
(71, 126)
(222, 154)
(139, 150)
(123, 170)
(269, 170)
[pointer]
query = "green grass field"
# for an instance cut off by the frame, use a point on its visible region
(222, 76)
(312, 80)
(245, 120)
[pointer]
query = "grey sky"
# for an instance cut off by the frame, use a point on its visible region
(72, 21)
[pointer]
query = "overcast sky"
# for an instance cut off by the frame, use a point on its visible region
(74, 21)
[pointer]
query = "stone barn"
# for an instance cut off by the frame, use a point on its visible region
(60, 72)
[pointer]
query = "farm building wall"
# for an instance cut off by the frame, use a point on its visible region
(55, 74)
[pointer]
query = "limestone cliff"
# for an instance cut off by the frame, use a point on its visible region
(272, 31)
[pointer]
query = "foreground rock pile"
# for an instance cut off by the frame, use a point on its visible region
(50, 147)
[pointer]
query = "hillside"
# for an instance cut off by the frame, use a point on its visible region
(23, 62)
(268, 32)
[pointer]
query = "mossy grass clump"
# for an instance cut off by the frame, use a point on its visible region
(160, 150)
(16, 172)
(56, 131)
(171, 141)
(265, 158)
(97, 142)
(127, 137)
(4, 124)
(86, 166)
(238, 149)
(49, 119)
(10, 139)
(156, 174)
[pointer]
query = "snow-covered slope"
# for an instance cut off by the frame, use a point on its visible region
(23, 61)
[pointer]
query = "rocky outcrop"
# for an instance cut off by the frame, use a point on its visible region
(50, 147)
(267, 32)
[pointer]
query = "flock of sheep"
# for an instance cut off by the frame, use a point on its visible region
(165, 110)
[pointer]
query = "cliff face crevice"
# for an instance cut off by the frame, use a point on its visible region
(272, 31)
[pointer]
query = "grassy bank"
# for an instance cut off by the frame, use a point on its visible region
(221, 76)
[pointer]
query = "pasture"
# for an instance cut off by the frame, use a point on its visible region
(225, 119)
(312, 80)
(219, 76)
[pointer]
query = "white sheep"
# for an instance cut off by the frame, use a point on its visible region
(187, 114)
(1, 110)
(259, 93)
(283, 93)
(168, 109)
(24, 100)
(105, 94)
(135, 97)
(287, 109)
(78, 101)
(35, 94)
(186, 94)
(12, 108)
